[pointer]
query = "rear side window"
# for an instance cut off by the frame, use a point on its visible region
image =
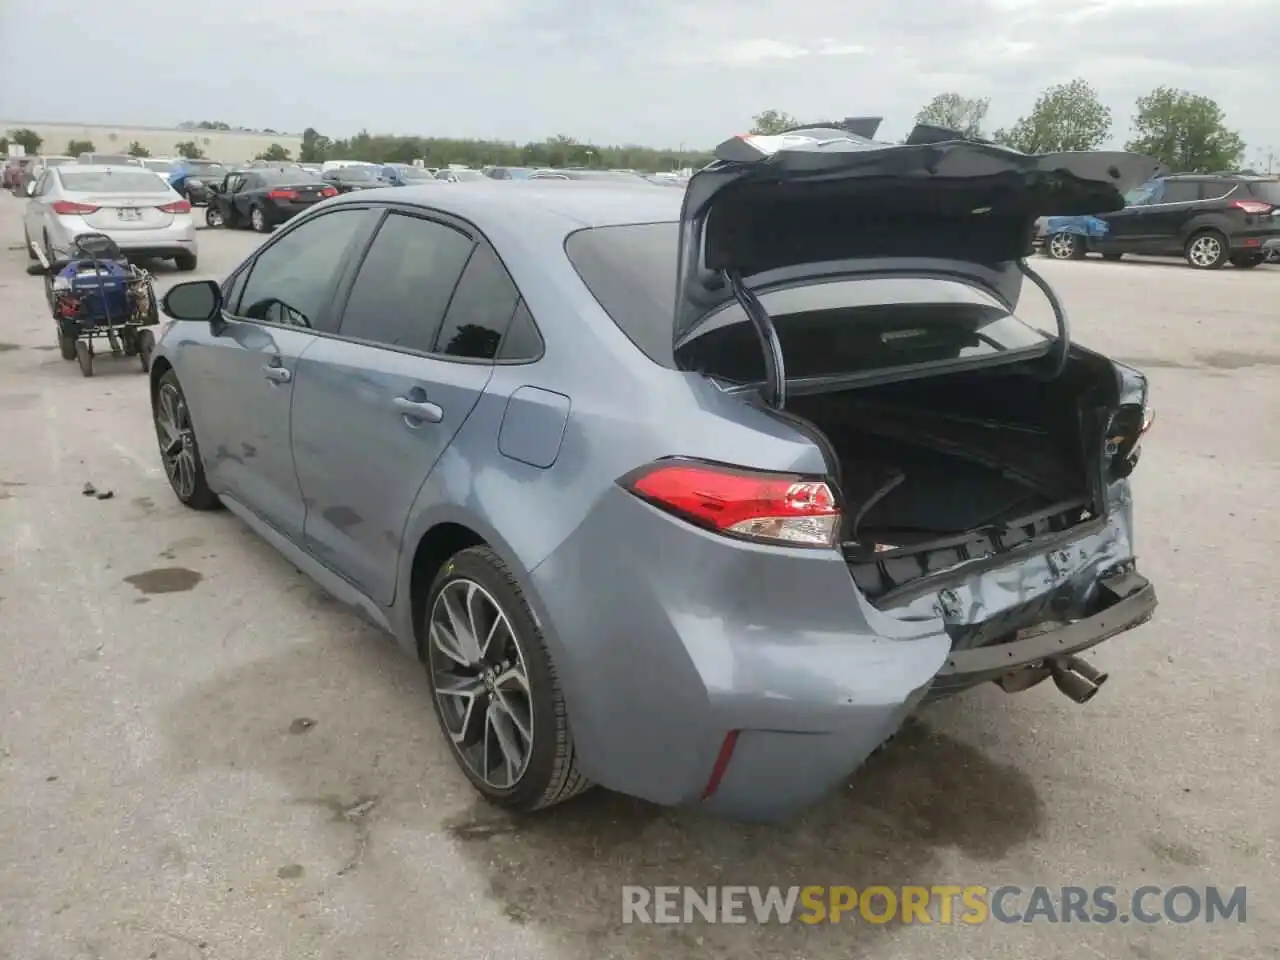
(1217, 189)
(481, 309)
(845, 327)
(1268, 190)
(405, 283)
(1180, 191)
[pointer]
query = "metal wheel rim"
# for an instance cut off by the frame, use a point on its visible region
(481, 683)
(213, 217)
(1205, 251)
(177, 440)
(1062, 246)
(256, 219)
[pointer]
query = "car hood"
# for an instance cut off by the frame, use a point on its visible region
(828, 201)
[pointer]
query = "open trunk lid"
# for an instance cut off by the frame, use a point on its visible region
(831, 202)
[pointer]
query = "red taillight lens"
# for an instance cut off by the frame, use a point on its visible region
(65, 208)
(178, 206)
(328, 192)
(1252, 206)
(283, 195)
(768, 507)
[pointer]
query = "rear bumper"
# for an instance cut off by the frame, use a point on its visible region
(668, 640)
(179, 238)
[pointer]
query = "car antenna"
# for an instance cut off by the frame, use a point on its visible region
(1059, 314)
(774, 366)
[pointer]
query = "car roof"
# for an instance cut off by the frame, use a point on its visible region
(555, 207)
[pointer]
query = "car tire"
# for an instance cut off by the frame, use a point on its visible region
(186, 262)
(179, 451)
(1207, 250)
(258, 221)
(213, 217)
(1112, 256)
(507, 691)
(1064, 246)
(1247, 262)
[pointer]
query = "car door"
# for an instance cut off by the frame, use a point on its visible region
(377, 406)
(1165, 219)
(240, 380)
(36, 209)
(244, 195)
(1126, 227)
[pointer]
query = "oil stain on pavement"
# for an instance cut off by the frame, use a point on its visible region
(164, 580)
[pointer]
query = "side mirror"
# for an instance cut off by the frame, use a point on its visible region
(31, 189)
(197, 301)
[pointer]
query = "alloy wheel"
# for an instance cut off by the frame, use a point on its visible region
(177, 440)
(1062, 246)
(213, 217)
(257, 220)
(481, 683)
(1205, 250)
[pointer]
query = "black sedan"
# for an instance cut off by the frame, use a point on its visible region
(262, 199)
(348, 179)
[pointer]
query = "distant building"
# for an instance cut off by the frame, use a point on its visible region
(229, 146)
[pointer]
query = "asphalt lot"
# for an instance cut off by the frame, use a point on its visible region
(202, 756)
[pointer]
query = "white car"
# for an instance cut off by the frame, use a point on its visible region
(133, 206)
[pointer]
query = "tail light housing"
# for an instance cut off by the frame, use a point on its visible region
(328, 192)
(776, 508)
(68, 208)
(283, 195)
(1124, 438)
(1252, 206)
(178, 206)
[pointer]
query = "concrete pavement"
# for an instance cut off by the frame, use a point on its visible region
(201, 756)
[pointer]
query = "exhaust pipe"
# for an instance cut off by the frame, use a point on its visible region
(1076, 678)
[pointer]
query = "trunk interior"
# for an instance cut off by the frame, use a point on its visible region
(942, 470)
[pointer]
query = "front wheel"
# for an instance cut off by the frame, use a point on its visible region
(186, 262)
(494, 688)
(1065, 246)
(179, 453)
(1207, 250)
(258, 220)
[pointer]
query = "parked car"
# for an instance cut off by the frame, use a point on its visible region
(546, 441)
(191, 178)
(598, 176)
(37, 165)
(109, 160)
(405, 175)
(262, 199)
(347, 179)
(459, 176)
(509, 173)
(1210, 219)
(14, 168)
(133, 206)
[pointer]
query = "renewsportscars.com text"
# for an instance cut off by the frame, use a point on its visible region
(942, 904)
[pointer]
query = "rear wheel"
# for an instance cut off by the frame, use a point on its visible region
(494, 688)
(186, 262)
(179, 452)
(66, 347)
(1065, 246)
(1207, 250)
(213, 216)
(258, 220)
(1247, 262)
(84, 356)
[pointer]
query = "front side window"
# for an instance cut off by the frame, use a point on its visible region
(403, 289)
(292, 281)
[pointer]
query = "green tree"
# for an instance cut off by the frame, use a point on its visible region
(315, 146)
(189, 149)
(1184, 131)
(772, 122)
(275, 152)
(954, 111)
(4, 145)
(27, 138)
(1068, 116)
(77, 147)
(209, 125)
(138, 150)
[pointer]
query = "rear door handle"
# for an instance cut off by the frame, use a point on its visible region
(277, 374)
(421, 410)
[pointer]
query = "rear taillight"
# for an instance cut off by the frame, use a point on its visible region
(283, 195)
(66, 208)
(1252, 206)
(328, 192)
(1124, 438)
(178, 206)
(766, 507)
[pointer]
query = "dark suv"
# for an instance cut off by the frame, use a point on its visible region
(1210, 219)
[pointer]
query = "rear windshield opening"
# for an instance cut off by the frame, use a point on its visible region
(114, 181)
(1268, 190)
(834, 327)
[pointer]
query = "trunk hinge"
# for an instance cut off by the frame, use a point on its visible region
(775, 390)
(1059, 314)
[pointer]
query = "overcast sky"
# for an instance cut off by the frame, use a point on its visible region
(657, 72)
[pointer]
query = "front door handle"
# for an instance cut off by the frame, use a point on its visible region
(421, 410)
(277, 374)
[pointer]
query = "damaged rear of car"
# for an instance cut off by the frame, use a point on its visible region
(969, 473)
